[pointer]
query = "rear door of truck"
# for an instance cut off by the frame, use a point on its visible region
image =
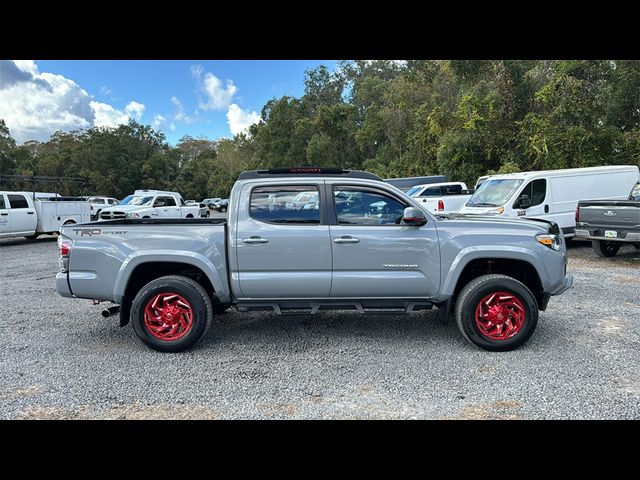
(282, 249)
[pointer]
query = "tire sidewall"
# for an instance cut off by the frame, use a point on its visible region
(198, 306)
(468, 310)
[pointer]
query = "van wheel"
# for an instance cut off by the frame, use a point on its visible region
(171, 313)
(496, 312)
(605, 249)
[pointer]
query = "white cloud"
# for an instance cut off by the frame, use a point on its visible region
(239, 120)
(107, 116)
(219, 96)
(35, 104)
(180, 116)
(134, 110)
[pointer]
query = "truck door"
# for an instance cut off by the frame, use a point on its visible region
(282, 247)
(5, 219)
(23, 218)
(373, 254)
(536, 191)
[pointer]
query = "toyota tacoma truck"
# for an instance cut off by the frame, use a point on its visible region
(610, 223)
(171, 277)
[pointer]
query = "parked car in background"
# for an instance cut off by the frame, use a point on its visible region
(29, 215)
(551, 194)
(151, 204)
(204, 210)
(209, 202)
(170, 277)
(609, 224)
(221, 205)
(441, 198)
(97, 203)
(406, 183)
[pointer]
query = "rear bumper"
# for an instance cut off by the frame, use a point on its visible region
(598, 234)
(62, 285)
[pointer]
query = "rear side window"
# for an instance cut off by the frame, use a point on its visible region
(17, 201)
(290, 204)
(537, 191)
(432, 192)
(2, 202)
(169, 201)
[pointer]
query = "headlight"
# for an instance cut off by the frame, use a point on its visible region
(496, 211)
(549, 240)
(133, 215)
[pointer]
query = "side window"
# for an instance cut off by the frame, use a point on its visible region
(431, 192)
(2, 202)
(635, 193)
(285, 204)
(17, 201)
(453, 189)
(112, 201)
(362, 206)
(169, 202)
(537, 191)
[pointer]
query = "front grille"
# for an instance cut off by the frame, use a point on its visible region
(112, 215)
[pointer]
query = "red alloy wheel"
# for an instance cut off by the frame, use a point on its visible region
(500, 315)
(168, 316)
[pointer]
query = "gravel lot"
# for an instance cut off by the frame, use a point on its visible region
(60, 359)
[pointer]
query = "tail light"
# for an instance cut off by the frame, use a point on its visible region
(64, 247)
(440, 205)
(577, 214)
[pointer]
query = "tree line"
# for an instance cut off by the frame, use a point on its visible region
(457, 118)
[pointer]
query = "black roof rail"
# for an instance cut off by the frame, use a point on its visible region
(307, 172)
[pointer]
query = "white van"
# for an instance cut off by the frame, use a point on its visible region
(551, 194)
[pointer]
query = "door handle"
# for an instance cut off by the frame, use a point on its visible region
(347, 239)
(255, 240)
(546, 209)
(4, 214)
(29, 213)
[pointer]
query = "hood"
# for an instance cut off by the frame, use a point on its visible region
(478, 210)
(499, 221)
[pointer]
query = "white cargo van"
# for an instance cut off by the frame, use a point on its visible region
(551, 194)
(23, 216)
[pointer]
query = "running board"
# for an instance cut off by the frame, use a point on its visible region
(306, 308)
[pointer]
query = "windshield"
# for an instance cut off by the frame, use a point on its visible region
(413, 190)
(635, 193)
(494, 192)
(136, 200)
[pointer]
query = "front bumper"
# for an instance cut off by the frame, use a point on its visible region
(62, 285)
(567, 283)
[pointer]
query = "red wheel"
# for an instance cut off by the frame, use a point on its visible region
(500, 315)
(168, 316)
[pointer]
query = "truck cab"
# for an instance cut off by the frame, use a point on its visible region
(17, 214)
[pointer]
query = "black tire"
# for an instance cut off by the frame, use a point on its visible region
(605, 249)
(189, 216)
(198, 300)
(32, 237)
(479, 288)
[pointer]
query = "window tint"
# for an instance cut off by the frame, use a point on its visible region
(537, 191)
(113, 201)
(2, 202)
(360, 206)
(431, 192)
(635, 193)
(453, 189)
(169, 201)
(17, 201)
(290, 204)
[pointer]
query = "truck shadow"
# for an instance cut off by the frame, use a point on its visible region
(12, 242)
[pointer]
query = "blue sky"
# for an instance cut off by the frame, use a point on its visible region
(196, 97)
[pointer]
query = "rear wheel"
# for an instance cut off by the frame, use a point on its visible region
(496, 312)
(171, 313)
(605, 249)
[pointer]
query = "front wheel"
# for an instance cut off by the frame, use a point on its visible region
(496, 312)
(171, 313)
(605, 249)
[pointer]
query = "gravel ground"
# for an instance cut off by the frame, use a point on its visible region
(61, 359)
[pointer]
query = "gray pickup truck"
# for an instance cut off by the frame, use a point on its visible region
(610, 223)
(304, 240)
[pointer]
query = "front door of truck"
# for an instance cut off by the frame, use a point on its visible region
(5, 218)
(374, 255)
(283, 249)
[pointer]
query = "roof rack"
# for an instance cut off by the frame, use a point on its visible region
(307, 172)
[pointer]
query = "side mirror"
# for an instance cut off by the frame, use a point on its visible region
(524, 202)
(159, 203)
(414, 217)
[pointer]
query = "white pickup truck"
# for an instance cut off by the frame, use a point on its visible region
(441, 198)
(29, 215)
(151, 204)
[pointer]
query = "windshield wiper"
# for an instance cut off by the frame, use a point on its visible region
(483, 204)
